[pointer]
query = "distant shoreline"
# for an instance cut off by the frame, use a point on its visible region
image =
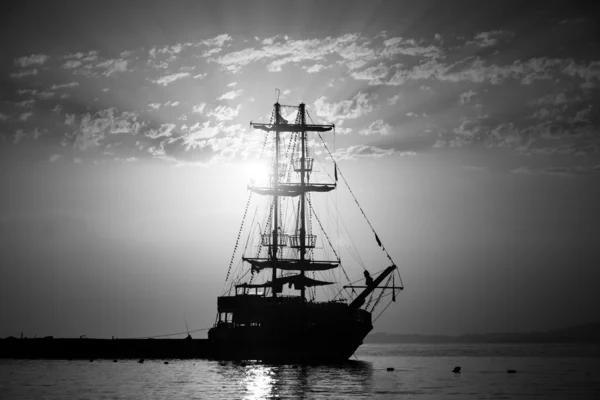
(589, 333)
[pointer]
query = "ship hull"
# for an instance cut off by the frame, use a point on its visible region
(288, 332)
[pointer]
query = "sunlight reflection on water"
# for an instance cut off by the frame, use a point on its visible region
(420, 372)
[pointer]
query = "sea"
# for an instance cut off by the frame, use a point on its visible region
(376, 371)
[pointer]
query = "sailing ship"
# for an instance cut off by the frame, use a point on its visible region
(279, 306)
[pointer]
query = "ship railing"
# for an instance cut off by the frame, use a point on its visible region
(267, 239)
(296, 241)
(308, 164)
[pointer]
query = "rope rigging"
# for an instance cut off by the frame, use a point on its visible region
(339, 172)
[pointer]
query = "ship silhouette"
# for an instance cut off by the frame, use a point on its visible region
(280, 302)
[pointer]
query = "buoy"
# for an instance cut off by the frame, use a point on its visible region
(456, 370)
(511, 371)
(166, 362)
(390, 369)
(141, 361)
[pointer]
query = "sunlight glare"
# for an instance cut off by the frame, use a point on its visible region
(257, 173)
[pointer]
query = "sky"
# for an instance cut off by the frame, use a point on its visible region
(468, 131)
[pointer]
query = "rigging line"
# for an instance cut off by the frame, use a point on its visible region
(170, 334)
(382, 311)
(350, 246)
(250, 232)
(244, 217)
(357, 203)
(381, 293)
(328, 240)
(237, 241)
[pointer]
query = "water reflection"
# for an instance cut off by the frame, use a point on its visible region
(254, 380)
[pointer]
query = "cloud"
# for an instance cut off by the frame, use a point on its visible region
(230, 95)
(217, 41)
(283, 51)
(556, 99)
(559, 171)
(373, 74)
(89, 56)
(489, 38)
(232, 84)
(364, 151)
(72, 64)
(377, 127)
(154, 106)
(34, 59)
(167, 79)
(200, 76)
(54, 157)
(465, 97)
(315, 68)
(3, 117)
(25, 116)
(199, 108)
(394, 99)
(93, 128)
(356, 107)
(224, 113)
(24, 73)
(165, 130)
(19, 136)
(64, 85)
(112, 66)
(199, 133)
(25, 103)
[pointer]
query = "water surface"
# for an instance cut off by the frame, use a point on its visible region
(420, 372)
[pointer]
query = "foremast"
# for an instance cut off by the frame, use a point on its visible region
(277, 189)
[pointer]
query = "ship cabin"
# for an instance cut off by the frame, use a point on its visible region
(252, 306)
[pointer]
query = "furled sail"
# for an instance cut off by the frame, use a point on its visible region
(290, 264)
(297, 281)
(292, 128)
(292, 189)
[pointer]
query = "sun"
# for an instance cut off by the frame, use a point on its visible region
(257, 172)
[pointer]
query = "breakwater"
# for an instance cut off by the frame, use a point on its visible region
(88, 348)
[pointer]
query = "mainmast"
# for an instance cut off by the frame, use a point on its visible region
(303, 176)
(300, 240)
(275, 244)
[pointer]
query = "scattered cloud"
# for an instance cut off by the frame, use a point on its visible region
(64, 85)
(489, 38)
(378, 127)
(25, 116)
(465, 97)
(112, 66)
(394, 99)
(168, 79)
(199, 108)
(359, 105)
(230, 95)
(224, 113)
(24, 73)
(34, 59)
(165, 130)
(365, 151)
(92, 129)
